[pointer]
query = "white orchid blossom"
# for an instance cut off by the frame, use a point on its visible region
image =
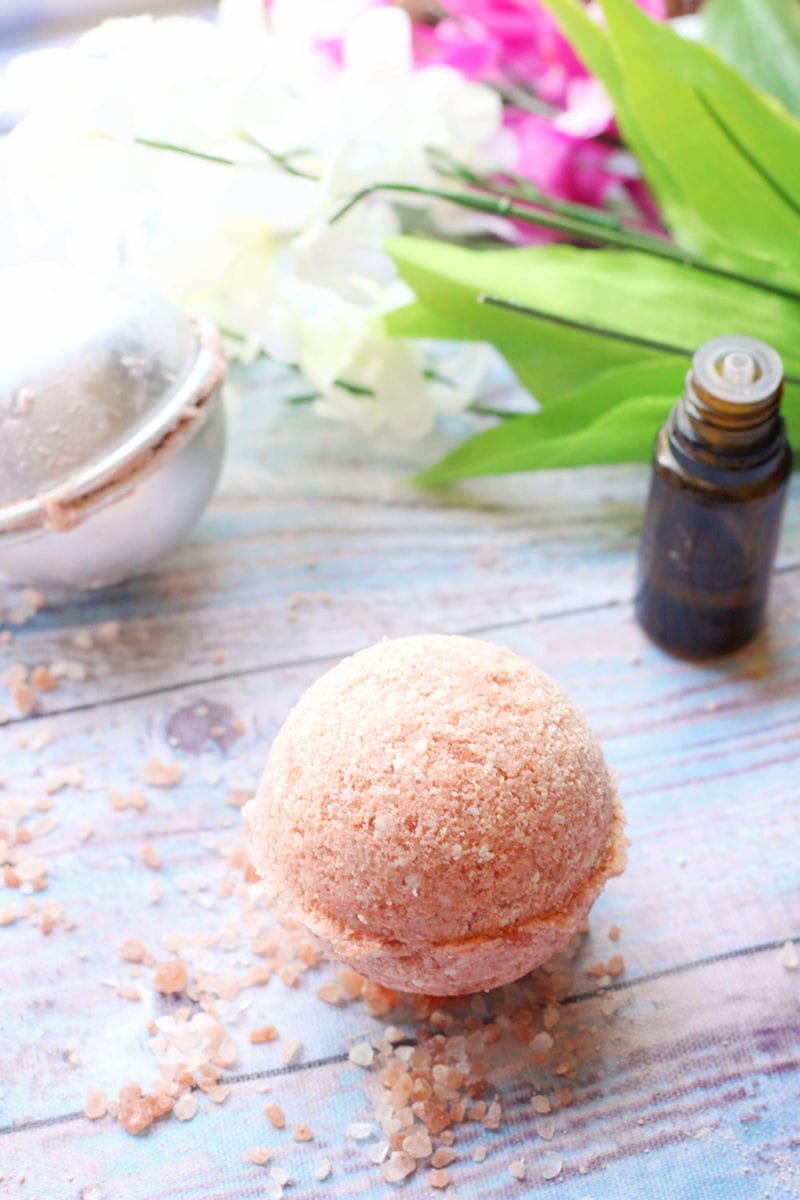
(252, 244)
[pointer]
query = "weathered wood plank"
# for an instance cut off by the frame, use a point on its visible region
(692, 1086)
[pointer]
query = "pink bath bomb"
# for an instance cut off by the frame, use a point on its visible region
(438, 812)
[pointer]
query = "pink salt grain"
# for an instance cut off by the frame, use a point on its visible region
(170, 976)
(439, 1179)
(150, 856)
(260, 1155)
(275, 1115)
(185, 1108)
(398, 1167)
(266, 1033)
(303, 1133)
(443, 1157)
(96, 1104)
(160, 774)
(132, 950)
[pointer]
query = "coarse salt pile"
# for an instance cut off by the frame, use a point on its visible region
(437, 811)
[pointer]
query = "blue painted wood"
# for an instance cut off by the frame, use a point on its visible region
(316, 546)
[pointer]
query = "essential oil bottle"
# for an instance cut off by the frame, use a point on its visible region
(721, 468)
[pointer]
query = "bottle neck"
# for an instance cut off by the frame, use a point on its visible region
(716, 425)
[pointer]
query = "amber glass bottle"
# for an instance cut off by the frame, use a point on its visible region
(721, 467)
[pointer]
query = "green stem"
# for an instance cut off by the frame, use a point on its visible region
(173, 148)
(280, 160)
(578, 229)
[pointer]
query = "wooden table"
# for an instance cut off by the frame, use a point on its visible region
(315, 546)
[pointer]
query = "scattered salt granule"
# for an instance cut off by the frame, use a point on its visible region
(615, 965)
(291, 1050)
(322, 1170)
(132, 950)
(547, 1130)
(439, 1179)
(42, 680)
(275, 1115)
(361, 1054)
(24, 698)
(170, 976)
(107, 633)
(399, 1166)
(96, 1104)
(614, 933)
(542, 1043)
(360, 1130)
(377, 1153)
(443, 1157)
(302, 1133)
(82, 640)
(150, 855)
(219, 1094)
(185, 1107)
(260, 1155)
(331, 993)
(265, 1033)
(280, 1175)
(540, 1104)
(551, 1165)
(418, 1144)
(790, 960)
(161, 774)
(479, 1154)
(517, 1168)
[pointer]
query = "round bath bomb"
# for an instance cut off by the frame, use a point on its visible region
(437, 811)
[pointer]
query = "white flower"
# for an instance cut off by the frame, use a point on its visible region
(252, 244)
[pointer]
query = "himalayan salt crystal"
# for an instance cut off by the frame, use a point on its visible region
(24, 698)
(273, 1190)
(614, 933)
(377, 1153)
(96, 1104)
(615, 965)
(303, 1133)
(360, 1130)
(399, 1166)
(133, 950)
(789, 958)
(477, 1111)
(443, 1157)
(150, 856)
(447, 1137)
(170, 976)
(551, 1166)
(551, 1017)
(161, 774)
(264, 1034)
(322, 1170)
(361, 1054)
(542, 1043)
(185, 1108)
(275, 1115)
(439, 1179)
(280, 1175)
(8, 914)
(547, 1130)
(330, 993)
(517, 1168)
(418, 1144)
(135, 1113)
(107, 632)
(541, 1104)
(128, 993)
(434, 1116)
(137, 800)
(219, 1094)
(42, 680)
(479, 1154)
(353, 984)
(31, 869)
(378, 1000)
(291, 1050)
(493, 1116)
(260, 1155)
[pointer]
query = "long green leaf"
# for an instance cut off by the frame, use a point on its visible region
(592, 45)
(761, 40)
(718, 171)
(624, 433)
(627, 292)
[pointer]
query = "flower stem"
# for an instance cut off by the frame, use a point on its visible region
(579, 229)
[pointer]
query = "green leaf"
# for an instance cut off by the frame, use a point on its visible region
(627, 292)
(673, 87)
(625, 433)
(761, 39)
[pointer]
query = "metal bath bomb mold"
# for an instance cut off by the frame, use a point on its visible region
(111, 425)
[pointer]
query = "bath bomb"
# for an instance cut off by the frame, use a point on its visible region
(438, 812)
